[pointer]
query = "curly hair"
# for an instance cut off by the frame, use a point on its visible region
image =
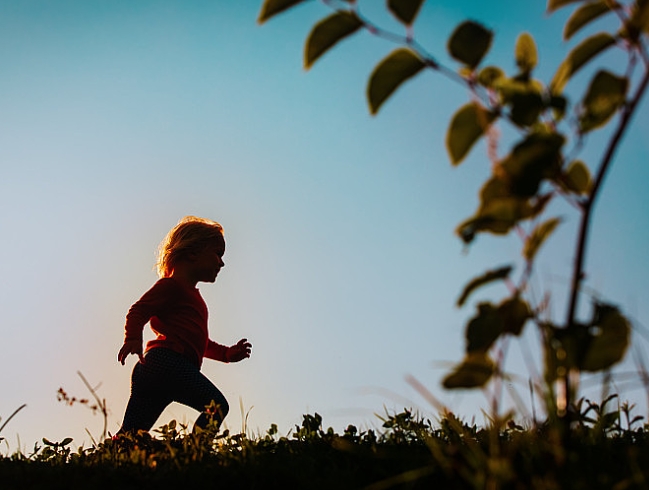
(191, 234)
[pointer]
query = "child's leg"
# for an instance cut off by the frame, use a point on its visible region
(150, 393)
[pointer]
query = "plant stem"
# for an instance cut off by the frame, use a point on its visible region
(578, 270)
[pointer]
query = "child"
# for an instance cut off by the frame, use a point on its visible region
(169, 369)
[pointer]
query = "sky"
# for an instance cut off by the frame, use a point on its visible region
(342, 267)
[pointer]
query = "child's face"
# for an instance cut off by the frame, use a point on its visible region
(209, 261)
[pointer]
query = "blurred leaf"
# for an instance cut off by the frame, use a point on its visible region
(514, 312)
(327, 33)
(497, 216)
(274, 7)
(639, 20)
(559, 104)
(469, 43)
(610, 340)
(525, 52)
(474, 371)
(555, 4)
(526, 108)
(489, 75)
(577, 178)
(483, 329)
(538, 236)
(405, 10)
(605, 95)
(487, 277)
(65, 441)
(468, 124)
(537, 157)
(389, 74)
(586, 14)
(578, 57)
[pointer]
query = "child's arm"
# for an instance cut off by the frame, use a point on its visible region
(130, 347)
(234, 353)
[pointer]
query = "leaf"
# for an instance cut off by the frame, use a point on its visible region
(525, 53)
(468, 124)
(610, 341)
(577, 178)
(274, 7)
(469, 43)
(556, 4)
(405, 10)
(389, 74)
(65, 441)
(526, 107)
(578, 57)
(489, 75)
(326, 33)
(605, 95)
(538, 236)
(474, 371)
(584, 15)
(487, 277)
(483, 329)
(514, 312)
(497, 216)
(536, 158)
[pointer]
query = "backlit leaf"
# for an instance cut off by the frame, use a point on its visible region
(525, 52)
(468, 124)
(514, 312)
(609, 342)
(605, 95)
(584, 15)
(487, 277)
(489, 75)
(577, 178)
(497, 216)
(469, 43)
(389, 74)
(526, 107)
(555, 4)
(405, 10)
(578, 57)
(274, 7)
(327, 33)
(483, 329)
(538, 236)
(474, 372)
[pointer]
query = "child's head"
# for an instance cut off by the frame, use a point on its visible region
(191, 234)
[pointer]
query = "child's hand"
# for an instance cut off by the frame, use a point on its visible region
(238, 351)
(130, 347)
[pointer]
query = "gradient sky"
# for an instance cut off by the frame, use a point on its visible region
(118, 118)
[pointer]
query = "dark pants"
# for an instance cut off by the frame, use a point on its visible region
(165, 377)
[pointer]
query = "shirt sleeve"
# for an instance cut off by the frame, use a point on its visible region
(216, 351)
(151, 304)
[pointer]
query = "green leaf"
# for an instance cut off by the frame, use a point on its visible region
(525, 53)
(327, 33)
(389, 74)
(536, 158)
(526, 107)
(556, 4)
(577, 178)
(469, 43)
(497, 216)
(609, 341)
(514, 312)
(488, 76)
(274, 7)
(468, 124)
(487, 277)
(483, 329)
(405, 10)
(538, 236)
(474, 371)
(578, 57)
(605, 95)
(65, 441)
(585, 15)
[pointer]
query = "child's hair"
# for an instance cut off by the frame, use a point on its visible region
(189, 235)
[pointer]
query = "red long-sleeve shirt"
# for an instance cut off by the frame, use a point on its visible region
(178, 317)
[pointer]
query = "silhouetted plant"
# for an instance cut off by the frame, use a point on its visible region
(541, 166)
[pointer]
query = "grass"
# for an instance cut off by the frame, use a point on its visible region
(609, 450)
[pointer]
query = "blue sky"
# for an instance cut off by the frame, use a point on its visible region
(342, 268)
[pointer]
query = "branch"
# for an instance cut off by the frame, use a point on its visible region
(578, 271)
